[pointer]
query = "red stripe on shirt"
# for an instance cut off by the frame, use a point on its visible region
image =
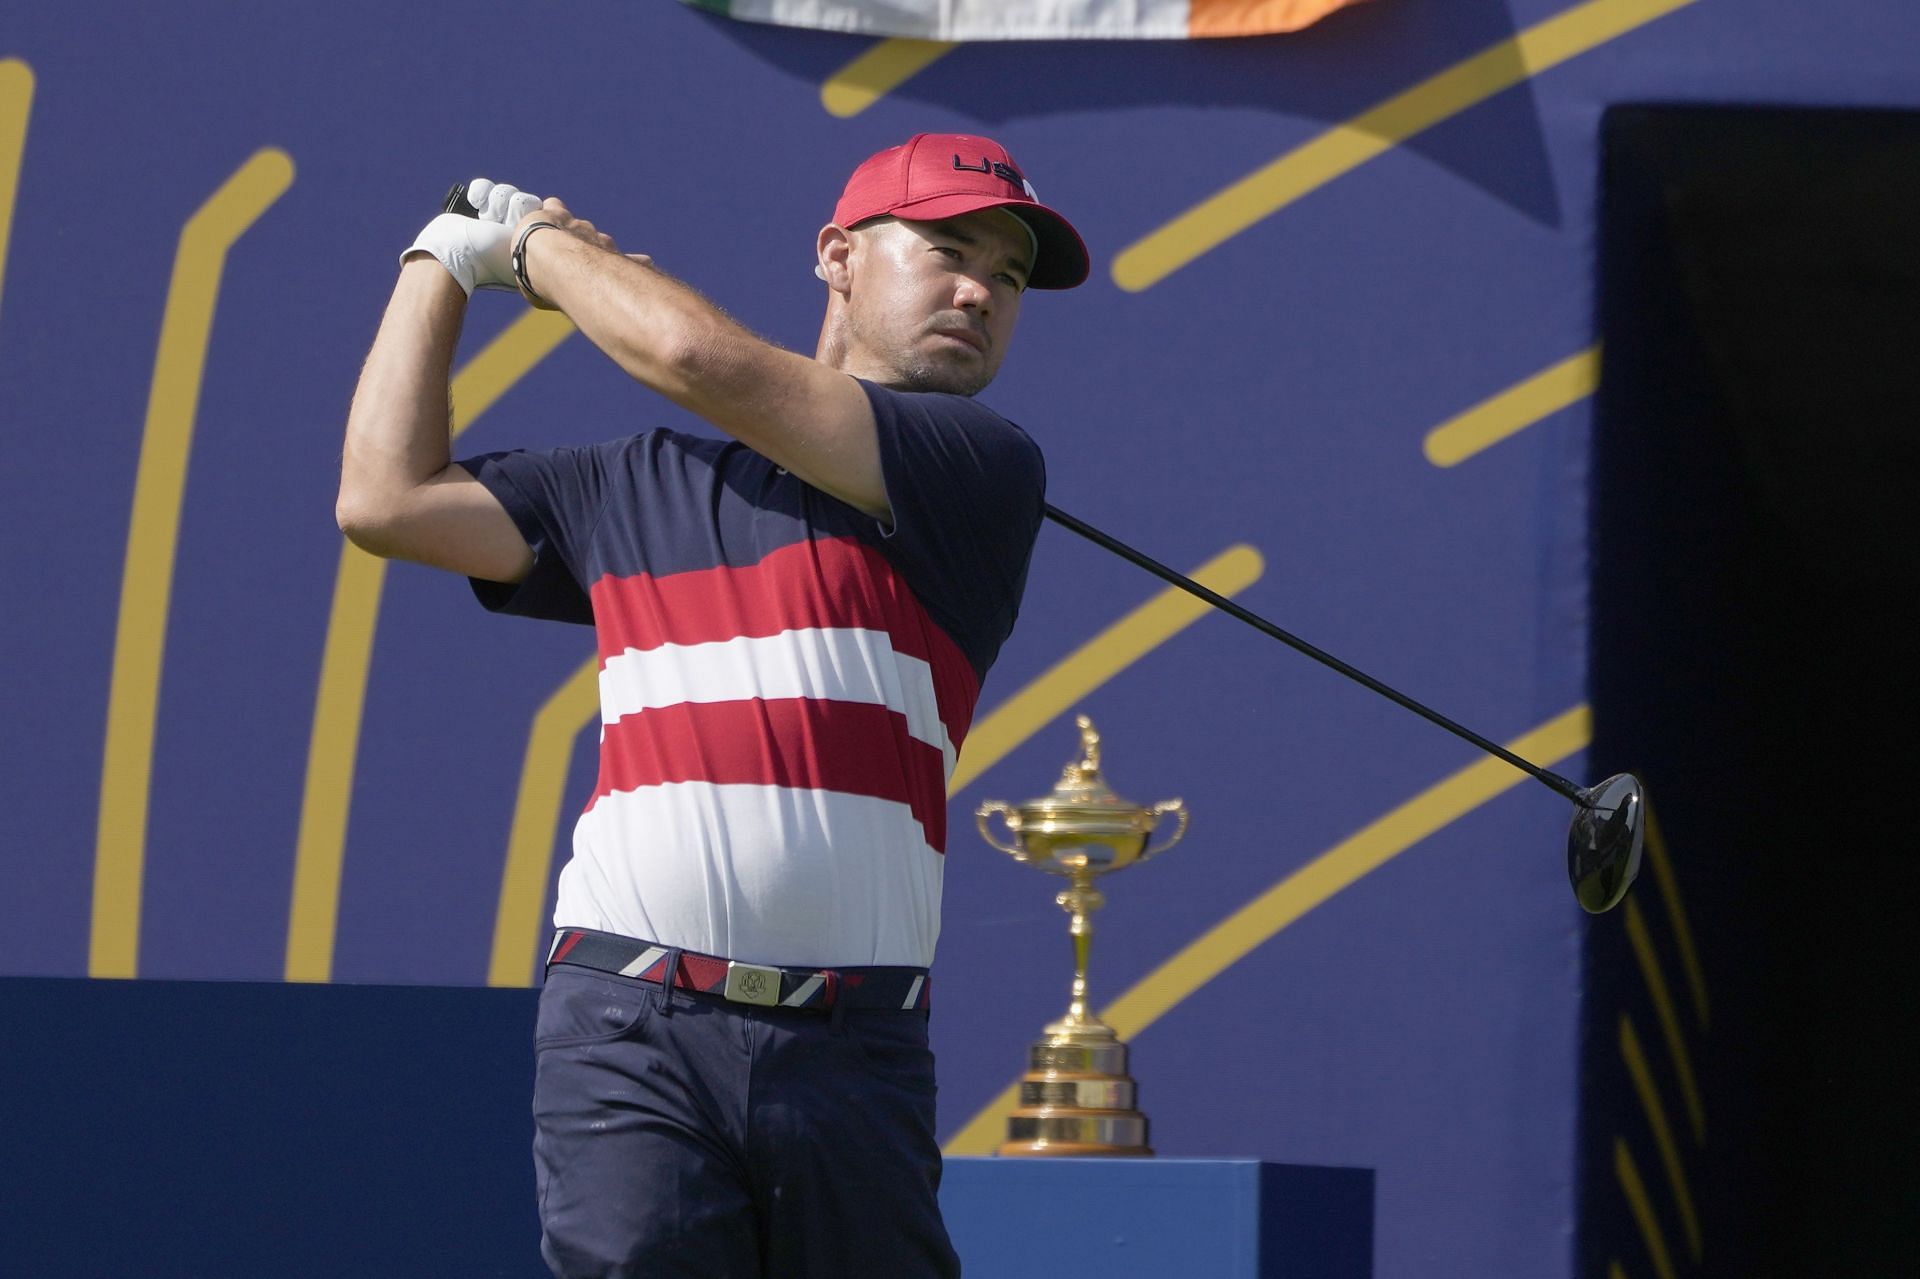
(800, 743)
(829, 583)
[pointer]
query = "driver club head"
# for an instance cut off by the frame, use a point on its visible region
(1603, 848)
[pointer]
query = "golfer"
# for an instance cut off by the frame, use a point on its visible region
(793, 624)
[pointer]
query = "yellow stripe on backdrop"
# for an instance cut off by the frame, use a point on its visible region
(334, 745)
(1515, 409)
(1339, 868)
(1663, 874)
(878, 71)
(517, 922)
(1636, 1061)
(1628, 1174)
(518, 926)
(1663, 1008)
(153, 530)
(16, 104)
(1347, 146)
(1085, 669)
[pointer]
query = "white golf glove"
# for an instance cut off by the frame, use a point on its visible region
(477, 251)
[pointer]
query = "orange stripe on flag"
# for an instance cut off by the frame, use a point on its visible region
(1255, 17)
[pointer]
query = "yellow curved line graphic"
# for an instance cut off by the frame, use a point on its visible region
(1347, 146)
(1514, 409)
(1636, 1192)
(878, 72)
(16, 102)
(517, 927)
(333, 747)
(1676, 915)
(517, 924)
(1340, 867)
(146, 583)
(1669, 1020)
(1636, 1059)
(1080, 672)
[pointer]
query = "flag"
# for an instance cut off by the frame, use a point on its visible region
(1033, 19)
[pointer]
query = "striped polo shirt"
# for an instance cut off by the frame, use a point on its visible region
(785, 681)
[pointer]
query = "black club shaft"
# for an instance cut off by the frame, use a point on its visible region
(1553, 780)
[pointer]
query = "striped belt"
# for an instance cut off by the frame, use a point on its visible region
(764, 985)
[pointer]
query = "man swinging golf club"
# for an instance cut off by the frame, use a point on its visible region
(793, 623)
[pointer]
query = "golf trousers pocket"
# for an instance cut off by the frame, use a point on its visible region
(579, 1007)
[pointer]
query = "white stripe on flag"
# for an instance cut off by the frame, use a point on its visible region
(975, 19)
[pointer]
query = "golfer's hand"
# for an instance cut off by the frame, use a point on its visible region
(557, 214)
(477, 251)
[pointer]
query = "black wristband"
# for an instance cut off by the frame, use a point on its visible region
(520, 261)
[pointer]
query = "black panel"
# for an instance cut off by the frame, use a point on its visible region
(1757, 547)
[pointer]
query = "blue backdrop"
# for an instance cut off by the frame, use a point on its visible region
(231, 751)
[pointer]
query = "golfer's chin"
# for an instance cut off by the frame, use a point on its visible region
(952, 367)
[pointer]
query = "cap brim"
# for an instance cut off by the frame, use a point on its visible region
(1063, 262)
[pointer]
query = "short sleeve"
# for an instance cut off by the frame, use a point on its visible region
(967, 489)
(555, 498)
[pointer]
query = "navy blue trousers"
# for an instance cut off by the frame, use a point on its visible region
(686, 1136)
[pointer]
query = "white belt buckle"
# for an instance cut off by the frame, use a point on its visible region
(752, 984)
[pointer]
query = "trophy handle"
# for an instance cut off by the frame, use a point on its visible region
(1179, 809)
(986, 812)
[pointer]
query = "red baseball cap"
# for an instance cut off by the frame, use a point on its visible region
(943, 175)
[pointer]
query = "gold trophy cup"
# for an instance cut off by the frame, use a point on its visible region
(1076, 1097)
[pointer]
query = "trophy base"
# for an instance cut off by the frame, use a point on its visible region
(1077, 1098)
(1059, 1131)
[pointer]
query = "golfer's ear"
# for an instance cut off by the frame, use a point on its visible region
(834, 254)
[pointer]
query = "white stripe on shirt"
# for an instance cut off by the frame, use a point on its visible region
(761, 874)
(828, 664)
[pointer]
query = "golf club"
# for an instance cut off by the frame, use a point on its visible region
(1604, 844)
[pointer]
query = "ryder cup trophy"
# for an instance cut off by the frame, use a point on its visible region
(1076, 1097)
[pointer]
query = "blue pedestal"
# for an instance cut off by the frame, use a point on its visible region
(1159, 1218)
